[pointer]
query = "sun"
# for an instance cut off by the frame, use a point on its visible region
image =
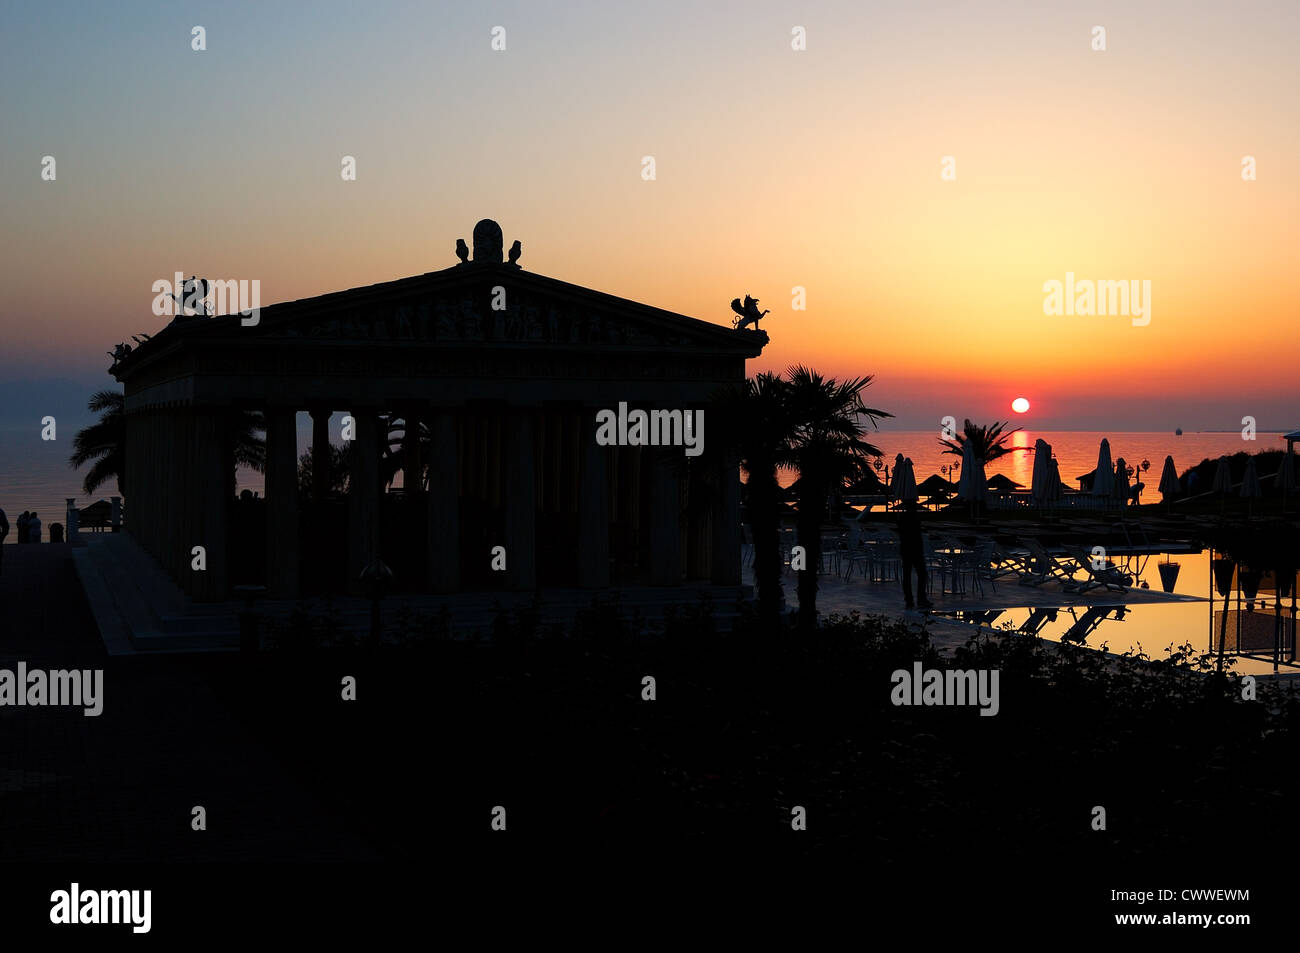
(1020, 405)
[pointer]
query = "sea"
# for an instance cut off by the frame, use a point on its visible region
(35, 475)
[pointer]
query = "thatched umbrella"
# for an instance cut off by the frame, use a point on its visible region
(1002, 484)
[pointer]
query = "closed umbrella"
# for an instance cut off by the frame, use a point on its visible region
(1169, 486)
(1286, 476)
(1055, 488)
(1103, 482)
(1042, 470)
(1222, 478)
(895, 480)
(973, 486)
(905, 480)
(1250, 488)
(1222, 482)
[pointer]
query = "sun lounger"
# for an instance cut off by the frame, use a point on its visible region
(1108, 575)
(1044, 567)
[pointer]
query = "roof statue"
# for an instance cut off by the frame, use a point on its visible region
(462, 251)
(749, 313)
(515, 251)
(487, 242)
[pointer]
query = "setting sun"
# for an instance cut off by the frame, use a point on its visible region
(1020, 405)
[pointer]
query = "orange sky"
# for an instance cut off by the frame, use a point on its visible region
(775, 168)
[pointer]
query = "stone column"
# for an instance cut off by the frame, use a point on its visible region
(699, 504)
(521, 499)
(665, 517)
(593, 507)
(209, 496)
(726, 522)
(281, 502)
(320, 453)
(444, 503)
(363, 503)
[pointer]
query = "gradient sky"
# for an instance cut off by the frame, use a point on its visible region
(775, 168)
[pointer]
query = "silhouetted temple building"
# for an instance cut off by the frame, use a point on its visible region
(505, 401)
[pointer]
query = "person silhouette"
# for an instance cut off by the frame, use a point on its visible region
(4, 532)
(912, 550)
(33, 529)
(23, 517)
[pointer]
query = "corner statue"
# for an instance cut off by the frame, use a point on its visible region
(749, 313)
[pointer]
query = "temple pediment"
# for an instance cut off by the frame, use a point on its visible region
(492, 306)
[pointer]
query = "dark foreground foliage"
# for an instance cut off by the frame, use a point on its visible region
(551, 725)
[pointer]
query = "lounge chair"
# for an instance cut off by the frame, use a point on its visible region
(1109, 575)
(1044, 567)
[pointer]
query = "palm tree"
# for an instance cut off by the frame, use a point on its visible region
(340, 468)
(103, 442)
(987, 442)
(394, 451)
(758, 426)
(829, 451)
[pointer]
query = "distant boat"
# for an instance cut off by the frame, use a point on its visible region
(1178, 432)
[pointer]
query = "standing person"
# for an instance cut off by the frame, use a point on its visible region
(4, 531)
(912, 550)
(33, 529)
(23, 517)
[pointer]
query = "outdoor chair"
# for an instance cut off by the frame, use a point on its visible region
(1109, 576)
(1044, 567)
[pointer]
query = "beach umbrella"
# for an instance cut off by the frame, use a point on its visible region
(1250, 488)
(973, 486)
(1222, 477)
(1169, 486)
(1120, 489)
(935, 485)
(1042, 467)
(1103, 483)
(905, 479)
(1055, 488)
(999, 483)
(1285, 478)
(867, 484)
(1286, 474)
